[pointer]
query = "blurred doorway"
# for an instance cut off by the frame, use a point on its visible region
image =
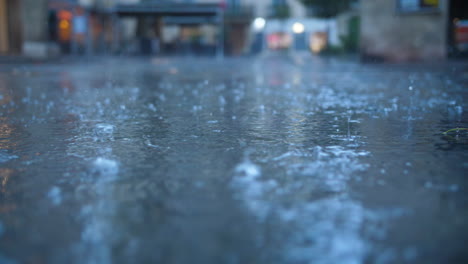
(458, 28)
(10, 27)
(300, 42)
(3, 27)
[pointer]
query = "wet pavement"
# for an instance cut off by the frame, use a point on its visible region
(278, 159)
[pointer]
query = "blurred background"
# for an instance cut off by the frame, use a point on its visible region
(376, 30)
(126, 138)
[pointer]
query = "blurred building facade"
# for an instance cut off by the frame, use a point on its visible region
(44, 28)
(291, 25)
(237, 33)
(412, 30)
(170, 26)
(47, 28)
(83, 26)
(24, 28)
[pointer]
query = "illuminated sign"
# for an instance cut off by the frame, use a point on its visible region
(430, 3)
(418, 5)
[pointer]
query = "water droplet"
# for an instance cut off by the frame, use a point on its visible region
(104, 132)
(453, 188)
(55, 195)
(105, 166)
(4, 156)
(247, 170)
(428, 185)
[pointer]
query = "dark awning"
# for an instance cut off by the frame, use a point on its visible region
(168, 9)
(190, 20)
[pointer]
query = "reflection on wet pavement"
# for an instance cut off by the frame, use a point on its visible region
(266, 160)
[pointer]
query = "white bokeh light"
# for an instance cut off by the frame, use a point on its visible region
(298, 28)
(259, 24)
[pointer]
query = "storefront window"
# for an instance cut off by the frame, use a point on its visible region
(409, 6)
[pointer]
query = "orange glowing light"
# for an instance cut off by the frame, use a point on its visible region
(64, 24)
(64, 32)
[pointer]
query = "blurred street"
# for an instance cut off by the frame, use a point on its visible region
(280, 158)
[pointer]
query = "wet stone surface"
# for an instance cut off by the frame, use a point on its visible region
(278, 159)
